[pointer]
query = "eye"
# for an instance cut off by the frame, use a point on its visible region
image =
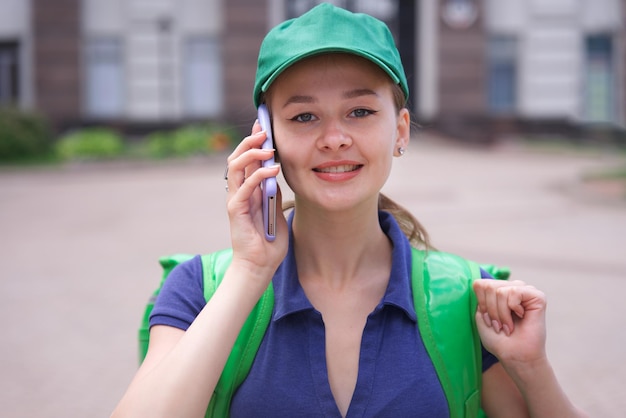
(304, 117)
(361, 113)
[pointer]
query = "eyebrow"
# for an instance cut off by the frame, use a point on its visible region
(299, 99)
(350, 94)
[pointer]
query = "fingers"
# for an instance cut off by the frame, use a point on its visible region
(502, 303)
(246, 160)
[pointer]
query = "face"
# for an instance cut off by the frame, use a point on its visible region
(337, 128)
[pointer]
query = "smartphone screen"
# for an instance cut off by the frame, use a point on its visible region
(268, 186)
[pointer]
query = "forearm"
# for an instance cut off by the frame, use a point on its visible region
(178, 379)
(541, 390)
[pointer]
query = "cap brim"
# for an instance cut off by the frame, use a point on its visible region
(265, 86)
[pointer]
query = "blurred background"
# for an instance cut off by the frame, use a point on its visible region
(116, 117)
(479, 70)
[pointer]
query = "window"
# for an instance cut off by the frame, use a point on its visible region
(104, 78)
(599, 88)
(202, 77)
(9, 83)
(502, 77)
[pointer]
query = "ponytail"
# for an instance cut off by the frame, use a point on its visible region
(412, 228)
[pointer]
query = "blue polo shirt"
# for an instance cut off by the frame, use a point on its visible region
(289, 378)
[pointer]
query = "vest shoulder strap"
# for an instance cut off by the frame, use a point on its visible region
(445, 305)
(240, 360)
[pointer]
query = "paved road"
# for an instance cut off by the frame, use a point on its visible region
(79, 245)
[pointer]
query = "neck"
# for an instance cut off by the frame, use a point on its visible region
(339, 247)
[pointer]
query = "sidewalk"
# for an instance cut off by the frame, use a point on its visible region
(79, 249)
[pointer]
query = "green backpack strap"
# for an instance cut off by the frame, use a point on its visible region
(239, 362)
(247, 344)
(445, 305)
(167, 263)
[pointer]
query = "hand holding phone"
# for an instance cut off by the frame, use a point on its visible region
(268, 186)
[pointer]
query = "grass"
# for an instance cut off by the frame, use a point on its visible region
(553, 144)
(612, 173)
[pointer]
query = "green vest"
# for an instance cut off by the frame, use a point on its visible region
(444, 303)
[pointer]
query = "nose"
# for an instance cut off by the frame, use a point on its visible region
(334, 137)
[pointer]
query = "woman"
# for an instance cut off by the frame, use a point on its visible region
(343, 339)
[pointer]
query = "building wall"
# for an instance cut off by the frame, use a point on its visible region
(427, 61)
(157, 39)
(622, 65)
(163, 48)
(550, 64)
(461, 71)
(131, 62)
(15, 26)
(554, 68)
(247, 22)
(56, 50)
(14, 18)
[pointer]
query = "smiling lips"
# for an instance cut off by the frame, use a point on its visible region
(338, 168)
(337, 172)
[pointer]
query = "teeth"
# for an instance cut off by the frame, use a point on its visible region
(338, 169)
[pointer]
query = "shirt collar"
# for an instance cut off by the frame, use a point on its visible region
(289, 294)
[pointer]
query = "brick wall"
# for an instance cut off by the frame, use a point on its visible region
(462, 67)
(245, 26)
(57, 77)
(463, 79)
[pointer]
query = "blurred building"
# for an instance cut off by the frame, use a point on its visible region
(526, 66)
(478, 69)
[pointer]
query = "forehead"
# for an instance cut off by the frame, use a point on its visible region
(332, 65)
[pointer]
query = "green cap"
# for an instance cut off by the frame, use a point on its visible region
(327, 29)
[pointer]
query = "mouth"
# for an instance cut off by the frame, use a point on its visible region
(346, 168)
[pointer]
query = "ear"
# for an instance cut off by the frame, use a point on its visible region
(403, 131)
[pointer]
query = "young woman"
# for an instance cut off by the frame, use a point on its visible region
(343, 339)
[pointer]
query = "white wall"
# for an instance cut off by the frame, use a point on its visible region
(506, 16)
(15, 26)
(104, 17)
(14, 18)
(551, 51)
(601, 15)
(428, 60)
(550, 70)
(153, 54)
(200, 16)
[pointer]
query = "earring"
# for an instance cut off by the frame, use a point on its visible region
(401, 151)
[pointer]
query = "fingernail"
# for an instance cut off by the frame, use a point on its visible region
(496, 326)
(506, 329)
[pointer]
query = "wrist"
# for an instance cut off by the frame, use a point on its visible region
(250, 275)
(538, 384)
(524, 371)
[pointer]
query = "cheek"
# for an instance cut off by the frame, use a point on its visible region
(285, 154)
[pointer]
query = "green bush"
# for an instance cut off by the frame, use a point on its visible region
(90, 144)
(23, 135)
(159, 145)
(189, 140)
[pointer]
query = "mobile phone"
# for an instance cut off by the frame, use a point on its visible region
(268, 186)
